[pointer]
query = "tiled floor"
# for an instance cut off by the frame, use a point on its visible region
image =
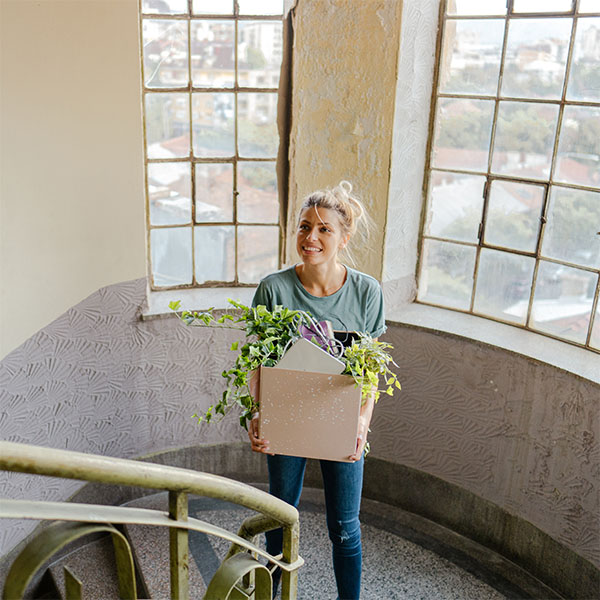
(400, 559)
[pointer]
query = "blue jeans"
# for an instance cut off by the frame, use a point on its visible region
(342, 483)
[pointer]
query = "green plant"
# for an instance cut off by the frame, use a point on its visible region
(268, 334)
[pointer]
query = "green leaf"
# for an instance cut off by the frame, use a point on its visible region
(235, 345)
(175, 305)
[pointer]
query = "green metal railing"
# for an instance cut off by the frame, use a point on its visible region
(240, 575)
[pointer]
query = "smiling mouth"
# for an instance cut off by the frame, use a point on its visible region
(311, 249)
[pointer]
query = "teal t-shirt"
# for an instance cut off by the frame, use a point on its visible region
(356, 306)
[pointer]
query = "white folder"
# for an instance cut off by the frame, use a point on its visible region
(306, 356)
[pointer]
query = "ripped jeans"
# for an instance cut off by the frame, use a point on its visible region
(342, 483)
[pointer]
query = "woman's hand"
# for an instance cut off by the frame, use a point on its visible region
(361, 438)
(258, 444)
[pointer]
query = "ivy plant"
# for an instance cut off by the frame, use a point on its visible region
(268, 335)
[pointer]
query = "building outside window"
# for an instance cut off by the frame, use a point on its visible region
(512, 223)
(210, 82)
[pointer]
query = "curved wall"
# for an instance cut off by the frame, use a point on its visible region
(519, 434)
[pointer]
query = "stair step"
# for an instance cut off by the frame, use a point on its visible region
(151, 544)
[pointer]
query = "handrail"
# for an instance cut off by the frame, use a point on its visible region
(121, 471)
(179, 482)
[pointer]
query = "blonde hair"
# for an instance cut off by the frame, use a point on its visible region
(351, 211)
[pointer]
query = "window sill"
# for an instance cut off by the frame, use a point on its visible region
(564, 356)
(575, 360)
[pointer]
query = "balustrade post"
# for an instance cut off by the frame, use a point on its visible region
(289, 580)
(179, 548)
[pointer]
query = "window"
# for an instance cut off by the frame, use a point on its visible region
(512, 223)
(210, 85)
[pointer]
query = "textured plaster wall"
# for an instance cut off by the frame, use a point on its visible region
(71, 190)
(98, 379)
(344, 76)
(522, 434)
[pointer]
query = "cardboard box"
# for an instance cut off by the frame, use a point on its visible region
(303, 413)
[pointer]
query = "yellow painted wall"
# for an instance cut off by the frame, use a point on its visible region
(71, 196)
(344, 80)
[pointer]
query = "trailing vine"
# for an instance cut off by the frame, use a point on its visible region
(268, 335)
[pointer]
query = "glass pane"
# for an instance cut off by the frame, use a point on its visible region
(261, 7)
(462, 134)
(210, 7)
(578, 157)
(595, 339)
(260, 46)
(562, 302)
(165, 7)
(213, 60)
(476, 7)
(214, 193)
(165, 53)
(213, 124)
(503, 285)
(169, 193)
(258, 200)
(524, 139)
(471, 56)
(447, 274)
(171, 256)
(214, 253)
(167, 125)
(588, 6)
(258, 252)
(571, 233)
(513, 217)
(537, 6)
(536, 58)
(584, 80)
(455, 206)
(257, 125)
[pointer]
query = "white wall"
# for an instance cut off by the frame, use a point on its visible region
(71, 195)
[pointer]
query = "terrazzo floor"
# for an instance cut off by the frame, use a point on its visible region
(399, 561)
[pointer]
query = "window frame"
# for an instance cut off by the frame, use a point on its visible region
(490, 176)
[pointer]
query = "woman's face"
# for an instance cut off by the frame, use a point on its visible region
(320, 236)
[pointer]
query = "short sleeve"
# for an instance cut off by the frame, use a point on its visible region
(375, 315)
(262, 296)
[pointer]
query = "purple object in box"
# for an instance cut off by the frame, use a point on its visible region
(315, 334)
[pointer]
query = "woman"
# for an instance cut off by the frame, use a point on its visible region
(352, 301)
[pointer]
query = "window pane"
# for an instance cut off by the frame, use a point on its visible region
(260, 46)
(257, 126)
(535, 6)
(578, 157)
(476, 7)
(588, 6)
(462, 134)
(164, 7)
(455, 206)
(214, 193)
(213, 124)
(524, 139)
(258, 252)
(213, 60)
(503, 285)
(595, 339)
(169, 193)
(584, 80)
(471, 56)
(562, 301)
(167, 125)
(214, 253)
(447, 274)
(573, 224)
(258, 201)
(165, 53)
(171, 256)
(210, 7)
(514, 212)
(261, 7)
(536, 58)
